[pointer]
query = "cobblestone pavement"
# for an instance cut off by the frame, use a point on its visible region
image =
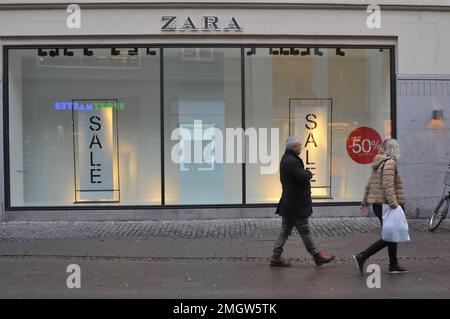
(226, 258)
(258, 228)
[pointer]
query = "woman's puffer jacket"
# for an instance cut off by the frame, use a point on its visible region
(384, 185)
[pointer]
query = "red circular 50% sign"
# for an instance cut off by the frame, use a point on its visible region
(363, 144)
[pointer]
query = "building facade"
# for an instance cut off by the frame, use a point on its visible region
(161, 109)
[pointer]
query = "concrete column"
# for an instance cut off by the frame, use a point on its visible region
(424, 142)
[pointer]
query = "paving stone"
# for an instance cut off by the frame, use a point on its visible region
(259, 228)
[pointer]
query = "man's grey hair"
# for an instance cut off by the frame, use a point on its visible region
(291, 140)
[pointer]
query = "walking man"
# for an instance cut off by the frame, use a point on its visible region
(295, 205)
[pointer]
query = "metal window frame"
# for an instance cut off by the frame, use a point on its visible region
(161, 47)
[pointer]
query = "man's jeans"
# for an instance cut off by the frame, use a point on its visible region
(302, 226)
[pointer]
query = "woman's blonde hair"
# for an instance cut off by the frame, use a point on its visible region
(391, 148)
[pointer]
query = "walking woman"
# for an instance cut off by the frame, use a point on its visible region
(383, 187)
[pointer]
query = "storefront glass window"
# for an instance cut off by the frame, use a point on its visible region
(202, 95)
(322, 96)
(70, 112)
(85, 124)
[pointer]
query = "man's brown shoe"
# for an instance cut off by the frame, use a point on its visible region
(277, 261)
(323, 258)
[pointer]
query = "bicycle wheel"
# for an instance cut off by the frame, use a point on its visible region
(440, 212)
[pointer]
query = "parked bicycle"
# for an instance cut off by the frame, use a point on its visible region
(441, 210)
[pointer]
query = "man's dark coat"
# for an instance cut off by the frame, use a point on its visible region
(296, 197)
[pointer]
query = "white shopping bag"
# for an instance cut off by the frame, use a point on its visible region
(395, 227)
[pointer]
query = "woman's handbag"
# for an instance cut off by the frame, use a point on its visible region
(395, 226)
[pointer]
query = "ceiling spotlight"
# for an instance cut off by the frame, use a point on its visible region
(114, 51)
(53, 53)
(284, 52)
(41, 52)
(133, 52)
(294, 51)
(88, 52)
(68, 53)
(340, 52)
(307, 52)
(273, 52)
(150, 51)
(318, 52)
(252, 51)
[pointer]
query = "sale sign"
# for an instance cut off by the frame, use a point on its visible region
(310, 121)
(95, 154)
(363, 144)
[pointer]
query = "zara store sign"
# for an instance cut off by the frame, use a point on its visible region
(205, 23)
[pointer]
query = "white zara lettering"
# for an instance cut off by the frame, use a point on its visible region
(205, 23)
